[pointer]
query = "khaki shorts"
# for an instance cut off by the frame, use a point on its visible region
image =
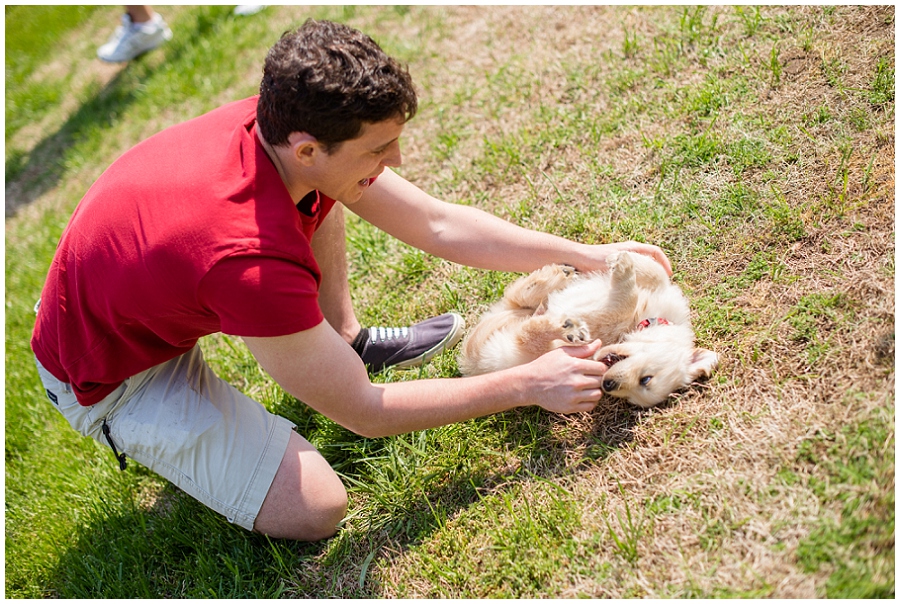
(188, 425)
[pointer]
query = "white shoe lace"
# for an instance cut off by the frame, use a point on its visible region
(386, 334)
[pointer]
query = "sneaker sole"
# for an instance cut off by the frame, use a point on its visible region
(455, 335)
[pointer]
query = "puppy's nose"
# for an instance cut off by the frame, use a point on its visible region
(610, 385)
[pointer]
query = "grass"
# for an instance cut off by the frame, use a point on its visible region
(754, 144)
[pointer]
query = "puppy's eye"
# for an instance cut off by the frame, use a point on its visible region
(646, 380)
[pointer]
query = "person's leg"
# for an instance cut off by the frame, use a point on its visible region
(139, 13)
(330, 249)
(379, 347)
(141, 30)
(306, 500)
(224, 449)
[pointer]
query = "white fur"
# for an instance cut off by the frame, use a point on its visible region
(554, 307)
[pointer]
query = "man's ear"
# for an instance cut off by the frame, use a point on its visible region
(304, 147)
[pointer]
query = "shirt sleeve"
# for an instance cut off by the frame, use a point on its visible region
(261, 296)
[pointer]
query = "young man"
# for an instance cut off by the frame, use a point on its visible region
(232, 222)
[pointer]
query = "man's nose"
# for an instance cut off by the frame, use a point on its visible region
(393, 158)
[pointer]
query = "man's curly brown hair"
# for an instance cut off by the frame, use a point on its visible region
(328, 79)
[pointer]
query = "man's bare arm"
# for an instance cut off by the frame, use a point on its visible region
(320, 369)
(471, 237)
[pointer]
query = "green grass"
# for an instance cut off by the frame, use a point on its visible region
(881, 91)
(848, 465)
(28, 45)
(771, 189)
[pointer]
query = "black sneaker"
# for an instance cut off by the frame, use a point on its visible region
(383, 347)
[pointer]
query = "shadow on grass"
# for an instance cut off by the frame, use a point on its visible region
(546, 447)
(162, 543)
(172, 548)
(31, 174)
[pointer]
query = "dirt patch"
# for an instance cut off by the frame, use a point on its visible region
(809, 347)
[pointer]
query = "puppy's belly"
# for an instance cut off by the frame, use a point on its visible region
(502, 351)
(579, 298)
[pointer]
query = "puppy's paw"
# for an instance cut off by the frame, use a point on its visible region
(621, 266)
(554, 275)
(612, 260)
(575, 332)
(566, 270)
(531, 291)
(620, 261)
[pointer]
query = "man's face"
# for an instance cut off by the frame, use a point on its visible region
(345, 174)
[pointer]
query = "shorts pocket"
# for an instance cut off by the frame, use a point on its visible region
(151, 425)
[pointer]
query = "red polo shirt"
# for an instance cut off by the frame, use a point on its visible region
(189, 233)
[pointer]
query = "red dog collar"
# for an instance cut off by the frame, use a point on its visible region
(653, 321)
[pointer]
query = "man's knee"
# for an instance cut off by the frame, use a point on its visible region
(306, 501)
(322, 523)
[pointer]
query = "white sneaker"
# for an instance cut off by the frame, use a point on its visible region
(133, 39)
(245, 10)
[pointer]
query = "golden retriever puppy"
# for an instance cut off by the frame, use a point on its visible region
(642, 318)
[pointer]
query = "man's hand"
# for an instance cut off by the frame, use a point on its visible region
(565, 380)
(319, 368)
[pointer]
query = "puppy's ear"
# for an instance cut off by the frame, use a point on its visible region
(541, 309)
(703, 362)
